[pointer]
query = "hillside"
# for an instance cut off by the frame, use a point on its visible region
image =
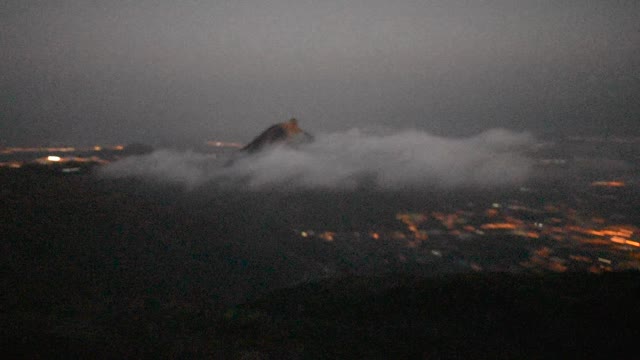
(492, 316)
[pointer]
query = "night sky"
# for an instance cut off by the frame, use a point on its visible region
(87, 72)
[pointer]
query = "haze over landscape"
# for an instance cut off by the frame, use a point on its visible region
(461, 179)
(160, 72)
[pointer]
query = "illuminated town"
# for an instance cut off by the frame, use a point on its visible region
(556, 237)
(17, 157)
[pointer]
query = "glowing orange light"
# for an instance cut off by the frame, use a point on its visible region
(491, 212)
(608, 183)
(375, 236)
(580, 258)
(328, 236)
(619, 240)
(13, 164)
(499, 226)
(557, 267)
(53, 158)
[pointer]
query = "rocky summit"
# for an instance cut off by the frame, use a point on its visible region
(283, 133)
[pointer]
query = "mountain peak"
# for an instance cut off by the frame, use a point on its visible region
(287, 132)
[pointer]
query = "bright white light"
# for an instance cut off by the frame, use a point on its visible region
(54, 158)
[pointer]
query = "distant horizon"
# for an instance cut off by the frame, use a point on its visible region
(192, 141)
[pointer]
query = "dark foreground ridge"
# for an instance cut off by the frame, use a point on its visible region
(472, 316)
(465, 316)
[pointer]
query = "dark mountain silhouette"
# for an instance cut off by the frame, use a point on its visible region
(287, 132)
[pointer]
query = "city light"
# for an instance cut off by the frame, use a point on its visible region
(613, 184)
(216, 143)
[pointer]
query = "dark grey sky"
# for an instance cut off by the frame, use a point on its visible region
(84, 71)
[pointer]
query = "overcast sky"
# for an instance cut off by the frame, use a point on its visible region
(85, 71)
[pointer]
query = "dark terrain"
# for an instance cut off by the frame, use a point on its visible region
(123, 269)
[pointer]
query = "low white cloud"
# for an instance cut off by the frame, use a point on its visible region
(187, 168)
(347, 160)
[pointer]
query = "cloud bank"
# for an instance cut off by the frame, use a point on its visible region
(347, 160)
